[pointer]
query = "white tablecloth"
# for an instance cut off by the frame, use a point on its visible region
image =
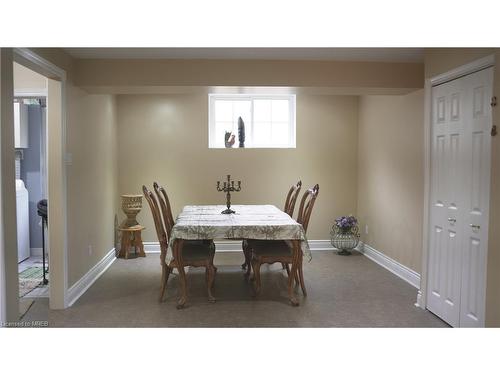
(261, 222)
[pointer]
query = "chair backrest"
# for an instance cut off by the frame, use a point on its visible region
(160, 230)
(165, 207)
(306, 206)
(291, 198)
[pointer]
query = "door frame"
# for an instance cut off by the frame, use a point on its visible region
(56, 172)
(463, 70)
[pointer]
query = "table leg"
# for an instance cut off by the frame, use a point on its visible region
(177, 250)
(293, 271)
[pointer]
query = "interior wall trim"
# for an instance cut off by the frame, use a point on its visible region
(56, 168)
(464, 70)
(81, 286)
(405, 273)
(232, 246)
(30, 93)
(34, 62)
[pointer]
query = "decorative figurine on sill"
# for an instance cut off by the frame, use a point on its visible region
(229, 139)
(241, 132)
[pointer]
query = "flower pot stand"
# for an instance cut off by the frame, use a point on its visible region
(131, 237)
(344, 252)
(345, 241)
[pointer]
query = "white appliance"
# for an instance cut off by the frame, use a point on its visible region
(460, 190)
(23, 226)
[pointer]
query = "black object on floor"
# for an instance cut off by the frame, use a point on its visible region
(43, 213)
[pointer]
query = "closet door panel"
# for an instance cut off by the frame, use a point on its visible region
(447, 202)
(478, 89)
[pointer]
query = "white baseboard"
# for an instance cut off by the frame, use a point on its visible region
(320, 245)
(407, 274)
(36, 252)
(151, 247)
(231, 246)
(81, 286)
(419, 302)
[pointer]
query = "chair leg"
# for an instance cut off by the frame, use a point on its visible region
(165, 273)
(207, 274)
(210, 282)
(249, 269)
(256, 275)
(212, 255)
(211, 264)
(246, 263)
(169, 271)
(287, 268)
(301, 277)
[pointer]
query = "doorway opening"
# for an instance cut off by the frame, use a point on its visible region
(47, 102)
(30, 136)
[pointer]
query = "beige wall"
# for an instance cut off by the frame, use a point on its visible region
(92, 179)
(438, 61)
(91, 73)
(56, 195)
(56, 56)
(165, 138)
(441, 60)
(26, 80)
(390, 175)
(93, 175)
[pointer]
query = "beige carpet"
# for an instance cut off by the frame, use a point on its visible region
(342, 292)
(24, 306)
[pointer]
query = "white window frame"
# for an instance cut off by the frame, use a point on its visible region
(212, 98)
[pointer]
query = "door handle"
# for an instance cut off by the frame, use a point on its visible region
(475, 227)
(452, 220)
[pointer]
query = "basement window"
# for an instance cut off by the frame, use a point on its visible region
(268, 121)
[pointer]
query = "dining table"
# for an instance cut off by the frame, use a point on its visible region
(259, 222)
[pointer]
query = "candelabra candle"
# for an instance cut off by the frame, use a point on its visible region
(227, 188)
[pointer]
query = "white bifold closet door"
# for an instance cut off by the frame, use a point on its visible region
(460, 185)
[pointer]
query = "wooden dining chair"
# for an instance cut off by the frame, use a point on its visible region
(166, 209)
(290, 200)
(273, 251)
(194, 253)
(168, 218)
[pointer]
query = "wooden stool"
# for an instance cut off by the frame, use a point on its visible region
(131, 237)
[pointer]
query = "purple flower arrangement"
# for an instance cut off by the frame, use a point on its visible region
(346, 223)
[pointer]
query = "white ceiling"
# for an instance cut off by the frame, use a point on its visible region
(344, 54)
